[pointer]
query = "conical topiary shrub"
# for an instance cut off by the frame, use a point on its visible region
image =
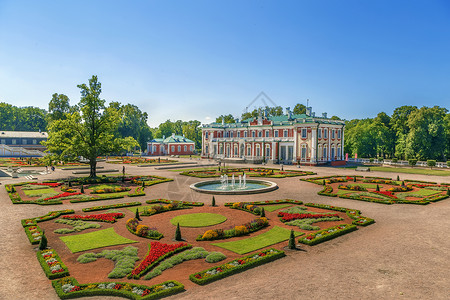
(43, 243)
(398, 178)
(70, 183)
(378, 188)
(137, 215)
(213, 203)
(263, 213)
(178, 233)
(292, 241)
(403, 183)
(354, 178)
(323, 182)
(82, 189)
(143, 183)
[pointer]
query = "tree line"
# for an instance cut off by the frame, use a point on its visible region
(409, 133)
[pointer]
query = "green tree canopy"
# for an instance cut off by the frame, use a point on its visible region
(89, 132)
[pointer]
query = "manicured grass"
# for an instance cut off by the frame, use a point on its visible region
(198, 220)
(366, 185)
(271, 237)
(141, 208)
(343, 192)
(275, 207)
(32, 193)
(94, 240)
(104, 186)
(421, 192)
(412, 171)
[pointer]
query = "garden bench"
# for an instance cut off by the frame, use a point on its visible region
(363, 169)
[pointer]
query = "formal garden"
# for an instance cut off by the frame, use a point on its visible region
(36, 162)
(81, 189)
(381, 189)
(130, 160)
(161, 247)
(251, 172)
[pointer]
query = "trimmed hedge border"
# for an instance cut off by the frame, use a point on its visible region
(103, 207)
(49, 216)
(253, 173)
(329, 235)
(34, 239)
(45, 266)
(352, 213)
(126, 289)
(146, 237)
(270, 255)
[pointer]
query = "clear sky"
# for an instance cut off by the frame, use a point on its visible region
(200, 59)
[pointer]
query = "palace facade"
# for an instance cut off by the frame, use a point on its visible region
(289, 138)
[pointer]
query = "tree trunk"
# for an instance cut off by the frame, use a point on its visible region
(93, 165)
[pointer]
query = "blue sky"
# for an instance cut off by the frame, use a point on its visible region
(200, 59)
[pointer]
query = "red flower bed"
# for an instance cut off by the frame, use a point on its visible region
(109, 217)
(65, 194)
(386, 193)
(52, 184)
(157, 250)
(285, 217)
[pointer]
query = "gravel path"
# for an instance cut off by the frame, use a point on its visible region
(404, 255)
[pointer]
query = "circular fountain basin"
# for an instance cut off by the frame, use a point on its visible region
(252, 186)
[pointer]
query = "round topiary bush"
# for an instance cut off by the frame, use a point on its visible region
(215, 257)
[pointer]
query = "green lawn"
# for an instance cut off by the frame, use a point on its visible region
(366, 185)
(198, 220)
(271, 237)
(275, 207)
(34, 193)
(94, 240)
(412, 171)
(141, 208)
(343, 192)
(421, 192)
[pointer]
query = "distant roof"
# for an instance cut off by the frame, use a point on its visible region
(23, 134)
(282, 120)
(173, 139)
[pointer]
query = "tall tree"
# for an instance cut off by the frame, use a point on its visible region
(299, 109)
(227, 119)
(426, 138)
(58, 107)
(89, 132)
(192, 131)
(400, 128)
(133, 122)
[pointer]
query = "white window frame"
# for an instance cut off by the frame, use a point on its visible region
(275, 133)
(304, 133)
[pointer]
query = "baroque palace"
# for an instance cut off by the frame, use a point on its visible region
(287, 139)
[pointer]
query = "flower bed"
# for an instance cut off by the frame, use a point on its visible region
(149, 180)
(386, 193)
(352, 187)
(268, 202)
(103, 207)
(51, 264)
(109, 217)
(34, 234)
(143, 230)
(286, 217)
(236, 266)
(62, 195)
(352, 213)
(251, 172)
(169, 206)
(327, 234)
(219, 234)
(52, 184)
(139, 191)
(108, 190)
(157, 253)
(69, 288)
(327, 191)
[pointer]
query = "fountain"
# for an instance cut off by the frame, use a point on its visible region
(225, 186)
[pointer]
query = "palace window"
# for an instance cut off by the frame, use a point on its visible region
(267, 133)
(245, 133)
(191, 148)
(304, 133)
(319, 133)
(260, 133)
(34, 142)
(179, 148)
(185, 148)
(238, 134)
(206, 135)
(285, 133)
(253, 133)
(332, 134)
(304, 149)
(325, 152)
(173, 149)
(231, 134)
(249, 151)
(14, 141)
(325, 133)
(339, 134)
(276, 133)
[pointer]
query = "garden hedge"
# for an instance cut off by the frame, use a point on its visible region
(46, 267)
(330, 235)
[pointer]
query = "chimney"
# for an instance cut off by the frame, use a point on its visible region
(324, 115)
